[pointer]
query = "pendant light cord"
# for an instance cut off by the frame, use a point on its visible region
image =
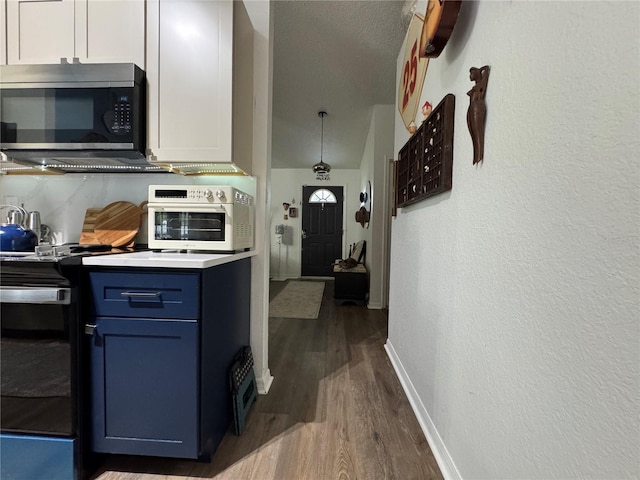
(322, 114)
(322, 139)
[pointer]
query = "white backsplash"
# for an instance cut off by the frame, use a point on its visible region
(63, 199)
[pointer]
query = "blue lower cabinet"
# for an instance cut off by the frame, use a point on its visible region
(26, 457)
(145, 387)
(161, 350)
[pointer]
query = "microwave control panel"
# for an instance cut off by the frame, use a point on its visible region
(118, 120)
(197, 194)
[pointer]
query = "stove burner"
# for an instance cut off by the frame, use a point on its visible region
(4, 254)
(46, 250)
(55, 253)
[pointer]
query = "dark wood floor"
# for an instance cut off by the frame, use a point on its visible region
(336, 410)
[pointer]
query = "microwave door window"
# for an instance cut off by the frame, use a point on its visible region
(66, 115)
(28, 116)
(206, 226)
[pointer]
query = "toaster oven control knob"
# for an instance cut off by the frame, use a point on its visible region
(208, 194)
(220, 194)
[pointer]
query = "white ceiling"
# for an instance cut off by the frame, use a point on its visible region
(337, 56)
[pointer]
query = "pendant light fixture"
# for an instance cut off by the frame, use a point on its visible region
(322, 169)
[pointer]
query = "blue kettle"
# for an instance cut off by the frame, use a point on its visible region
(14, 238)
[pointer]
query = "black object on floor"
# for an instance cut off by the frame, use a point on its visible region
(243, 387)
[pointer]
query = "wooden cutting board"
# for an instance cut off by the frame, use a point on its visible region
(88, 236)
(118, 223)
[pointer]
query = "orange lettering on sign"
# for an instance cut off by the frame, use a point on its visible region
(410, 75)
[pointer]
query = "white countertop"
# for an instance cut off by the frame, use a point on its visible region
(165, 259)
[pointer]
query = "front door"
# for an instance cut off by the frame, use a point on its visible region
(321, 229)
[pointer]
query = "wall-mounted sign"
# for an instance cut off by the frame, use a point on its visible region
(440, 19)
(414, 70)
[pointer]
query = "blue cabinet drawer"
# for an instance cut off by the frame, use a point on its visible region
(155, 295)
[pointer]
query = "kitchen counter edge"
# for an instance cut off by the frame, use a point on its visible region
(166, 259)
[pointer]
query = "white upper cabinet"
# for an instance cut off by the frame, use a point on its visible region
(3, 32)
(198, 58)
(198, 97)
(93, 31)
(39, 32)
(112, 31)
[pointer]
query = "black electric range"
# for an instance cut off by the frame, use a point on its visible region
(43, 413)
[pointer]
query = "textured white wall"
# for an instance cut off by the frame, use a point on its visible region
(514, 309)
(286, 185)
(378, 147)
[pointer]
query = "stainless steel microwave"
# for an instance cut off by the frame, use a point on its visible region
(53, 115)
(200, 217)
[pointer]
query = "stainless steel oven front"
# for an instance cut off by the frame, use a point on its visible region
(193, 217)
(38, 326)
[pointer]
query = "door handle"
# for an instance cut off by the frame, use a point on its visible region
(140, 294)
(304, 233)
(89, 329)
(37, 295)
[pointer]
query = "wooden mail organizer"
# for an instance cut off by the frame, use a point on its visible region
(425, 163)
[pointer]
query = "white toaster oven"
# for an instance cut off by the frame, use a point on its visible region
(200, 217)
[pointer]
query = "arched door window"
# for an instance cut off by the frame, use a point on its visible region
(322, 195)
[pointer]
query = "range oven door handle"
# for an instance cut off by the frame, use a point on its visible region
(35, 295)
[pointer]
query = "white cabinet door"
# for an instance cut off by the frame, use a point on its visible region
(40, 31)
(110, 31)
(3, 32)
(94, 31)
(189, 73)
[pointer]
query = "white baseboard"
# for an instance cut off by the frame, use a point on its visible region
(440, 452)
(375, 306)
(264, 382)
(282, 278)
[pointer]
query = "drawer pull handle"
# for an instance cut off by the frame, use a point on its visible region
(140, 294)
